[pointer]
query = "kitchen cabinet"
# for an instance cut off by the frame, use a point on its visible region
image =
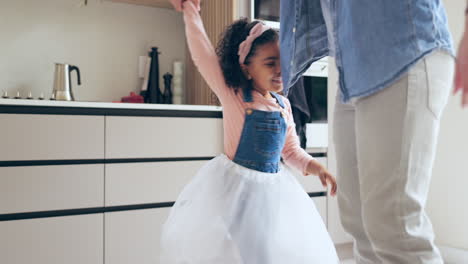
(162, 137)
(152, 3)
(321, 206)
(96, 185)
(335, 229)
(152, 182)
(138, 242)
(56, 240)
(311, 183)
(112, 200)
(133, 236)
(42, 188)
(51, 137)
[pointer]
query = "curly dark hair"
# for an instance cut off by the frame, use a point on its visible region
(228, 47)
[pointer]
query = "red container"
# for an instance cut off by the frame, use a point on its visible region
(133, 98)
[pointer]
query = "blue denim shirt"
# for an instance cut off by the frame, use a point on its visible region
(375, 41)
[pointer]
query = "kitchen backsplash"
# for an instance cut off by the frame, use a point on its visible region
(103, 39)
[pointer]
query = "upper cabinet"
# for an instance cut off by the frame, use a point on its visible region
(153, 3)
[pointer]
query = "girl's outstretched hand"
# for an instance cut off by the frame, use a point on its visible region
(179, 4)
(314, 167)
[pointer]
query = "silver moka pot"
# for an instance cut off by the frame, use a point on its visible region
(62, 82)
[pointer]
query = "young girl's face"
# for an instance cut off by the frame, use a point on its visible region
(265, 70)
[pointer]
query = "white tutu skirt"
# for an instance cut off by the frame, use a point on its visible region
(229, 214)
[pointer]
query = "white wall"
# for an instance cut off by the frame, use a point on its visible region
(103, 39)
(448, 198)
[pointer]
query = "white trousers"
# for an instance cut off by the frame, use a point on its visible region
(385, 148)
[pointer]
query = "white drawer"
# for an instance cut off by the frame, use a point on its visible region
(40, 188)
(56, 240)
(153, 137)
(311, 183)
(321, 205)
(45, 137)
(133, 236)
(317, 135)
(137, 183)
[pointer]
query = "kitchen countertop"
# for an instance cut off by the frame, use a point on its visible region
(24, 106)
(25, 102)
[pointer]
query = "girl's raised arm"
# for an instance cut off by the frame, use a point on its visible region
(202, 51)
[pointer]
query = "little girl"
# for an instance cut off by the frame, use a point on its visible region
(244, 207)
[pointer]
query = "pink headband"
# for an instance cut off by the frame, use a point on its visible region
(246, 45)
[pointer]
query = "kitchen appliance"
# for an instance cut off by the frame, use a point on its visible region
(316, 90)
(62, 82)
(267, 11)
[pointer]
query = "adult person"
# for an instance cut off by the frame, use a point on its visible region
(395, 65)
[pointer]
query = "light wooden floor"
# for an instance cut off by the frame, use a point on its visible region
(345, 253)
(450, 255)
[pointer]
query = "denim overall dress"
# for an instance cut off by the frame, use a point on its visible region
(248, 210)
(262, 138)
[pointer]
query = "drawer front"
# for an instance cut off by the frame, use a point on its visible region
(138, 183)
(45, 137)
(133, 236)
(57, 240)
(321, 205)
(154, 137)
(335, 228)
(311, 183)
(139, 233)
(41, 188)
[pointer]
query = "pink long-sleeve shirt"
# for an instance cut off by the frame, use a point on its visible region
(206, 60)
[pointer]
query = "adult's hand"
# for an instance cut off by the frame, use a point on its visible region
(461, 70)
(178, 4)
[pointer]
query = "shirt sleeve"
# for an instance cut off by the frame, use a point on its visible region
(293, 155)
(202, 51)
